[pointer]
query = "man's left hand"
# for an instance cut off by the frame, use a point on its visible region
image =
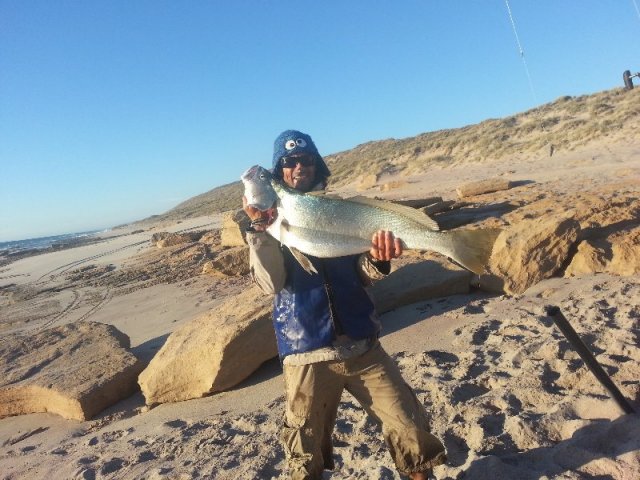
(385, 246)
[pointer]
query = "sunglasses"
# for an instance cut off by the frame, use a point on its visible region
(291, 162)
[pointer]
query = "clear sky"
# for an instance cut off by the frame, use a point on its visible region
(114, 110)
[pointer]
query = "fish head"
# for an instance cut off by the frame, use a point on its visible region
(258, 189)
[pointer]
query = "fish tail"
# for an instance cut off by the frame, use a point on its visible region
(472, 248)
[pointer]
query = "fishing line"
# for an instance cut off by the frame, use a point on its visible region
(637, 10)
(521, 50)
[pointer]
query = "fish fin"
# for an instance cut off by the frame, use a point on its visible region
(301, 258)
(472, 248)
(411, 213)
(304, 262)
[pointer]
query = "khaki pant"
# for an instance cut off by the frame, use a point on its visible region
(313, 392)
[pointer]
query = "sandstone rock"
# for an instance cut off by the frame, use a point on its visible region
(172, 239)
(75, 371)
(626, 253)
(232, 262)
(592, 256)
(618, 254)
(460, 214)
(234, 225)
(528, 252)
(483, 186)
(367, 181)
(211, 238)
(599, 215)
(213, 352)
(418, 281)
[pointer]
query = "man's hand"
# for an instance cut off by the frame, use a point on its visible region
(385, 246)
(260, 219)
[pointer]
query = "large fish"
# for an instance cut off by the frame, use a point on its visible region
(325, 226)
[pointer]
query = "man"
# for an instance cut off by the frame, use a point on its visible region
(327, 335)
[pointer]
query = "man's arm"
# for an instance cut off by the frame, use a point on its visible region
(266, 262)
(376, 263)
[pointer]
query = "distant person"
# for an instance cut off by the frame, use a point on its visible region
(327, 334)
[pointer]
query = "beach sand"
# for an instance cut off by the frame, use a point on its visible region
(507, 393)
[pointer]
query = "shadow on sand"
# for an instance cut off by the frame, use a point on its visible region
(602, 439)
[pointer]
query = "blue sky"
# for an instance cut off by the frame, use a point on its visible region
(111, 111)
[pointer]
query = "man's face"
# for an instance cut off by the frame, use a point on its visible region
(300, 173)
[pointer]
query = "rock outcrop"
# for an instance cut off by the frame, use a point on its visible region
(417, 282)
(528, 252)
(234, 224)
(75, 371)
(213, 352)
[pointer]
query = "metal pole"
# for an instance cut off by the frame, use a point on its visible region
(570, 334)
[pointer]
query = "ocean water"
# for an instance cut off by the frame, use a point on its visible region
(42, 243)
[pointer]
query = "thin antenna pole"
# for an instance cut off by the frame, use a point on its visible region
(521, 50)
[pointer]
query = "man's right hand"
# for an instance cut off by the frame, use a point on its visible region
(260, 219)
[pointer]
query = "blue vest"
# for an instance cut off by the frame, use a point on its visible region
(312, 309)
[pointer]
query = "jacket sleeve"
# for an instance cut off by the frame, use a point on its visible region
(266, 262)
(371, 271)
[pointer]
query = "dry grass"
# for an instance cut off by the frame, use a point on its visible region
(566, 123)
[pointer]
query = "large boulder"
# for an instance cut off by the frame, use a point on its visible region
(213, 352)
(528, 252)
(76, 371)
(234, 226)
(232, 262)
(417, 282)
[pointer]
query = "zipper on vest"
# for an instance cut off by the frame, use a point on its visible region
(337, 326)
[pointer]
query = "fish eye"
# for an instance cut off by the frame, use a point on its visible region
(301, 142)
(290, 144)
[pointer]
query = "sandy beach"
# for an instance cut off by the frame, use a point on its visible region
(506, 391)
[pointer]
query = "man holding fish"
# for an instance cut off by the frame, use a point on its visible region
(317, 265)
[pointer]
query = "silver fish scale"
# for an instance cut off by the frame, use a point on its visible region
(344, 217)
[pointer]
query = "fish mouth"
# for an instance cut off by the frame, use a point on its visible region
(249, 172)
(256, 173)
